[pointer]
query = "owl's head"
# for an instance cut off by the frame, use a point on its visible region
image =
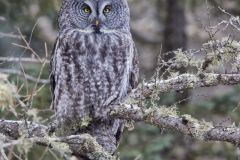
(95, 16)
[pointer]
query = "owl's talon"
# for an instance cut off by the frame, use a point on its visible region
(52, 127)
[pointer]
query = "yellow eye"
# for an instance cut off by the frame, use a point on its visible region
(87, 9)
(107, 9)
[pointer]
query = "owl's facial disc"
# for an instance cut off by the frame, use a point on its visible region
(96, 16)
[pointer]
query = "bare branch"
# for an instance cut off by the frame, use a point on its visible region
(23, 60)
(9, 35)
(28, 77)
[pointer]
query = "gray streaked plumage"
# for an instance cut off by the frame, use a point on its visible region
(94, 65)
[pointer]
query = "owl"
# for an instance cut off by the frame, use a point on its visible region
(93, 65)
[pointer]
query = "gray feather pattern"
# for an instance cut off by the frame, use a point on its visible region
(90, 72)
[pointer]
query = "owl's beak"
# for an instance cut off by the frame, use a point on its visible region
(97, 23)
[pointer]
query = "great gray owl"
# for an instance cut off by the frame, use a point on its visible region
(93, 65)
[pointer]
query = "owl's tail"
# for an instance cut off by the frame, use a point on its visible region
(108, 133)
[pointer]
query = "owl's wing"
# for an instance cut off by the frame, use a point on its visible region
(134, 75)
(52, 76)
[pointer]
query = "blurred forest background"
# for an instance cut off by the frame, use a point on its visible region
(158, 26)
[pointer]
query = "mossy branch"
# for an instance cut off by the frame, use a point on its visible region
(184, 81)
(164, 117)
(83, 145)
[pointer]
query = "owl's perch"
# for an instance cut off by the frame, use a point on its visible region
(163, 117)
(84, 144)
(159, 116)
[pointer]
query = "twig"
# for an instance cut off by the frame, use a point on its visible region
(28, 77)
(36, 85)
(24, 60)
(9, 35)
(27, 46)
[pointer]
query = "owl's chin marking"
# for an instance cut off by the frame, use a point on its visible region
(96, 29)
(84, 30)
(101, 31)
(97, 32)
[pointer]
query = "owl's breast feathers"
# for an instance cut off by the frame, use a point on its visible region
(90, 72)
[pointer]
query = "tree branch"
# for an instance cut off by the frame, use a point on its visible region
(86, 145)
(20, 59)
(9, 35)
(79, 145)
(184, 81)
(28, 77)
(17, 129)
(167, 118)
